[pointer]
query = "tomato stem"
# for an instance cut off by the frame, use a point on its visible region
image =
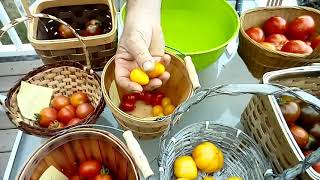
(104, 171)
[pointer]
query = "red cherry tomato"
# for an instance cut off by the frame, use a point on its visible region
(65, 32)
(156, 100)
(159, 94)
(65, 115)
(74, 121)
(301, 28)
(275, 25)
(59, 102)
(300, 135)
(130, 97)
(90, 168)
(71, 108)
(84, 110)
(297, 46)
(277, 39)
(256, 34)
(46, 116)
(146, 96)
(315, 42)
(127, 106)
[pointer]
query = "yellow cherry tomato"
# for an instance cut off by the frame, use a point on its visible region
(165, 101)
(168, 109)
(234, 178)
(182, 179)
(157, 110)
(208, 178)
(139, 76)
(160, 114)
(208, 157)
(185, 167)
(157, 71)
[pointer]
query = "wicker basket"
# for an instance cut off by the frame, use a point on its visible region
(178, 88)
(260, 60)
(65, 77)
(66, 151)
(264, 122)
(242, 156)
(41, 34)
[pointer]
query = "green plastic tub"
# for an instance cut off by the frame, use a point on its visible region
(201, 29)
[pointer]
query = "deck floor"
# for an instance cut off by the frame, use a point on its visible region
(10, 73)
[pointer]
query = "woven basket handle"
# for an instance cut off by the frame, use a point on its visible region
(260, 89)
(47, 16)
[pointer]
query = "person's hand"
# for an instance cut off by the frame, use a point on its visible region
(141, 45)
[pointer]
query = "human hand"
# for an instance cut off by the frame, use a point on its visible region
(141, 43)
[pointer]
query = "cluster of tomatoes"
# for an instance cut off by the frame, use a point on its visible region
(92, 170)
(298, 36)
(65, 111)
(92, 28)
(161, 105)
(304, 124)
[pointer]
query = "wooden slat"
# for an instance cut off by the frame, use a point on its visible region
(5, 123)
(4, 157)
(7, 82)
(19, 67)
(7, 139)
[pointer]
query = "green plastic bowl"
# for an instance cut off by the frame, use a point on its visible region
(201, 29)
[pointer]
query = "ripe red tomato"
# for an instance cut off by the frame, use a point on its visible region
(159, 94)
(74, 121)
(76, 178)
(156, 98)
(300, 135)
(46, 116)
(59, 102)
(297, 46)
(130, 97)
(56, 125)
(291, 111)
(65, 115)
(256, 34)
(315, 42)
(65, 32)
(301, 28)
(268, 45)
(146, 97)
(84, 110)
(79, 98)
(90, 168)
(103, 177)
(275, 25)
(127, 106)
(71, 108)
(277, 39)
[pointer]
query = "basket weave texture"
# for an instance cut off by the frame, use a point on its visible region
(260, 60)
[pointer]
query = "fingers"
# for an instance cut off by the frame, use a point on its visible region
(165, 59)
(153, 84)
(129, 85)
(157, 42)
(164, 77)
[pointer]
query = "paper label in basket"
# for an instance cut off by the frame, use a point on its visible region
(113, 94)
(53, 173)
(32, 99)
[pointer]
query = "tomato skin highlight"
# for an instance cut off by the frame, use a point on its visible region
(65, 32)
(84, 110)
(59, 102)
(291, 112)
(78, 98)
(90, 168)
(301, 28)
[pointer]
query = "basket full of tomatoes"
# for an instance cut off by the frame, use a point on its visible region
(273, 38)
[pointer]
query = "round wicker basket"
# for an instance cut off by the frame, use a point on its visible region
(65, 77)
(179, 88)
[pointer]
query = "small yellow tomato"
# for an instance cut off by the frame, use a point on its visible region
(157, 110)
(139, 76)
(185, 167)
(165, 101)
(160, 114)
(208, 157)
(182, 179)
(168, 109)
(208, 178)
(157, 71)
(234, 178)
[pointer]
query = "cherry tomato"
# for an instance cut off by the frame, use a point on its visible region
(277, 39)
(300, 135)
(130, 97)
(316, 166)
(65, 32)
(56, 125)
(90, 168)
(165, 101)
(256, 34)
(76, 178)
(159, 94)
(301, 28)
(94, 22)
(79, 98)
(59, 102)
(167, 110)
(269, 45)
(146, 96)
(93, 27)
(315, 42)
(290, 111)
(46, 116)
(65, 115)
(297, 46)
(71, 108)
(157, 110)
(156, 100)
(309, 116)
(127, 106)
(84, 110)
(103, 177)
(275, 25)
(74, 121)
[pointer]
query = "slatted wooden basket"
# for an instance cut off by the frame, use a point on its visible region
(65, 77)
(181, 85)
(264, 121)
(260, 60)
(42, 34)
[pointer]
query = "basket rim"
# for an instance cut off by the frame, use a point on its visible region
(51, 132)
(100, 132)
(109, 102)
(73, 41)
(271, 8)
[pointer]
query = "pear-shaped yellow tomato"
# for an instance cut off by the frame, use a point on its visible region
(208, 178)
(157, 71)
(208, 157)
(234, 178)
(168, 109)
(139, 76)
(157, 110)
(185, 167)
(165, 101)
